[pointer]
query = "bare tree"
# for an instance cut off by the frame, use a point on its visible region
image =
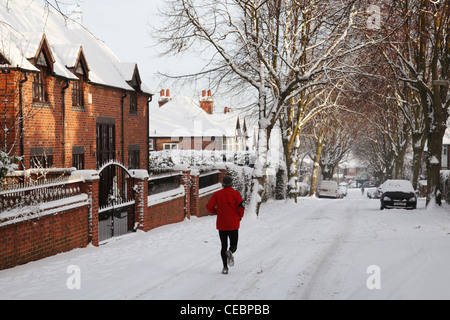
(322, 128)
(419, 53)
(279, 49)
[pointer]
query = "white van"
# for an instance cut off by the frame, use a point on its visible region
(328, 189)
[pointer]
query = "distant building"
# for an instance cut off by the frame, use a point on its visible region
(182, 123)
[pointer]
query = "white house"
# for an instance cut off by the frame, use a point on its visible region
(183, 123)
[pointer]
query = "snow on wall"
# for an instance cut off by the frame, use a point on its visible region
(166, 196)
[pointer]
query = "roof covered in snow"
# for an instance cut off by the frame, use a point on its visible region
(183, 117)
(24, 25)
(397, 185)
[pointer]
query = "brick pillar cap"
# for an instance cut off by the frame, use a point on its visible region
(86, 175)
(219, 166)
(139, 174)
(181, 167)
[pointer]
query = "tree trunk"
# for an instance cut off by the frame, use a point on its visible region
(315, 175)
(434, 166)
(259, 173)
(291, 154)
(418, 145)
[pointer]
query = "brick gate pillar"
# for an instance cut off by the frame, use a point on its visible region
(140, 197)
(194, 196)
(90, 187)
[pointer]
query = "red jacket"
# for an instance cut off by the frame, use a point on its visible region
(229, 207)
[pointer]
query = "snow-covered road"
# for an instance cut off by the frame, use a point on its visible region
(316, 249)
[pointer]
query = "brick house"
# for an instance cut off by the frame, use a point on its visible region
(69, 101)
(182, 123)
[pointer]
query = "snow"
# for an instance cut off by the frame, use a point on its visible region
(43, 209)
(166, 196)
(183, 117)
(434, 160)
(24, 25)
(209, 190)
(397, 185)
(316, 249)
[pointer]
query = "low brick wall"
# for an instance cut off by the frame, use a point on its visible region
(33, 233)
(205, 195)
(51, 232)
(164, 209)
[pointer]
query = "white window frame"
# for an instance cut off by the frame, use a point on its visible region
(151, 146)
(170, 146)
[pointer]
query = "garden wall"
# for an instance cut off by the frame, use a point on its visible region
(40, 221)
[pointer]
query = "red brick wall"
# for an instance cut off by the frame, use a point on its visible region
(164, 213)
(202, 201)
(43, 125)
(36, 239)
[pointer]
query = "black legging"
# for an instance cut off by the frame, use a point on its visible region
(224, 235)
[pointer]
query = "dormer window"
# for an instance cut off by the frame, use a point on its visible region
(41, 61)
(80, 70)
(44, 62)
(40, 79)
(135, 83)
(78, 85)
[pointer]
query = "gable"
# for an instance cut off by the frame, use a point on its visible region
(24, 23)
(81, 66)
(44, 56)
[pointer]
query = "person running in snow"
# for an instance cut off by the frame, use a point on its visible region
(229, 207)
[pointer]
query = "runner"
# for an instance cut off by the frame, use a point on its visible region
(229, 207)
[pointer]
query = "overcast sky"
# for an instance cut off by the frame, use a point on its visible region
(125, 26)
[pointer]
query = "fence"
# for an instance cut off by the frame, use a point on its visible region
(32, 193)
(163, 182)
(40, 219)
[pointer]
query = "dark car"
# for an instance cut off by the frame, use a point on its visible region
(398, 194)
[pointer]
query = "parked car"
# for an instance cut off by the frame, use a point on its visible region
(376, 194)
(328, 189)
(342, 191)
(398, 193)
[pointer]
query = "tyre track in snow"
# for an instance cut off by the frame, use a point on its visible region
(319, 276)
(301, 256)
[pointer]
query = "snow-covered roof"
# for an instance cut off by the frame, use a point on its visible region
(183, 117)
(25, 23)
(397, 185)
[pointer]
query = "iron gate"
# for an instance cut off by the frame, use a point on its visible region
(116, 201)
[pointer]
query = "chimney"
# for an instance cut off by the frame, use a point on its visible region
(207, 102)
(164, 97)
